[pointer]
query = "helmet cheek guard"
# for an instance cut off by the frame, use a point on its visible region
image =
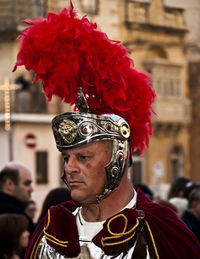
(115, 169)
(75, 129)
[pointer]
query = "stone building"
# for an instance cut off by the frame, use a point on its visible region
(155, 35)
(192, 10)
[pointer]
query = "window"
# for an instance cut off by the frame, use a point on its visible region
(137, 172)
(90, 6)
(176, 161)
(41, 167)
(166, 78)
(135, 12)
(137, 168)
(39, 8)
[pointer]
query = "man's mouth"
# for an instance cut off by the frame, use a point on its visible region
(75, 183)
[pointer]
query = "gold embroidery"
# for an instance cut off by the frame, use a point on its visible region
(55, 242)
(119, 235)
(36, 245)
(52, 238)
(152, 238)
(116, 243)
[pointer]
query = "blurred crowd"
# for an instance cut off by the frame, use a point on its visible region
(18, 210)
(184, 199)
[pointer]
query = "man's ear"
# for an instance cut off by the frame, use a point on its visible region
(9, 186)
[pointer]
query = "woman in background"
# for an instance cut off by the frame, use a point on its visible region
(14, 236)
(54, 197)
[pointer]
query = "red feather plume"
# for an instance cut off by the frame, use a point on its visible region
(67, 53)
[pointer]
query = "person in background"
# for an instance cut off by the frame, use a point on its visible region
(189, 187)
(177, 188)
(107, 218)
(54, 197)
(176, 194)
(15, 189)
(167, 204)
(14, 235)
(191, 216)
(23, 94)
(145, 189)
(31, 209)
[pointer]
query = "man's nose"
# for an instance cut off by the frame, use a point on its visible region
(71, 165)
(31, 188)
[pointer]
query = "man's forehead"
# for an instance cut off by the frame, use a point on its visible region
(24, 174)
(21, 168)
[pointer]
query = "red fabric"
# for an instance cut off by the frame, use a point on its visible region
(31, 250)
(112, 232)
(172, 238)
(67, 53)
(62, 227)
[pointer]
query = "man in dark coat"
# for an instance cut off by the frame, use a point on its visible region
(15, 189)
(191, 216)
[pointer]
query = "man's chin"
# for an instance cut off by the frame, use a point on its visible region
(81, 198)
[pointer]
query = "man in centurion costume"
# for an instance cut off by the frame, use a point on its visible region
(112, 116)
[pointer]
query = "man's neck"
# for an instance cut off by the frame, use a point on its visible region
(111, 205)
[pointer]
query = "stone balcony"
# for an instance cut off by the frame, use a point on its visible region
(173, 111)
(154, 15)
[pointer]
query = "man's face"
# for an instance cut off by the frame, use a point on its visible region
(85, 170)
(197, 208)
(23, 190)
(30, 210)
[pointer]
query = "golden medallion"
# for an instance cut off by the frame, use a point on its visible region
(68, 131)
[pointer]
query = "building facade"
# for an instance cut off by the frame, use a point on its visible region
(155, 34)
(192, 10)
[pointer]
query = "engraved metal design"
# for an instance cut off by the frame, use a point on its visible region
(88, 250)
(125, 130)
(67, 130)
(75, 129)
(81, 102)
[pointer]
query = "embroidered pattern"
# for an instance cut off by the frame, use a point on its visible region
(36, 246)
(52, 238)
(130, 233)
(152, 239)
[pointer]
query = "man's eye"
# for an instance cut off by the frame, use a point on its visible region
(82, 157)
(27, 183)
(66, 159)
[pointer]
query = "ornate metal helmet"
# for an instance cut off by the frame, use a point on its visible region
(72, 130)
(81, 65)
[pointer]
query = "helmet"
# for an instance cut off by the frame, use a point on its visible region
(81, 65)
(75, 129)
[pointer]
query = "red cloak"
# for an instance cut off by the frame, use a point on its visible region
(167, 236)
